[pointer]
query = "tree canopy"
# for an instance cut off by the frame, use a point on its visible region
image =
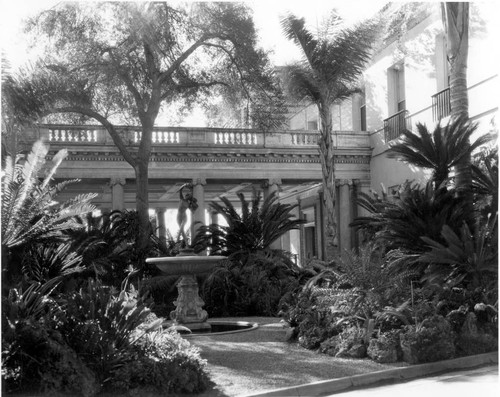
(123, 63)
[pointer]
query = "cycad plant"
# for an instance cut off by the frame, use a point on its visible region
(465, 257)
(30, 214)
(255, 229)
(485, 180)
(399, 222)
(332, 63)
(440, 150)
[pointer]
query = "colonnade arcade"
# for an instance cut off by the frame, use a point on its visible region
(306, 243)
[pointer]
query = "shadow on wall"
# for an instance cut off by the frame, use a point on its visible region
(374, 114)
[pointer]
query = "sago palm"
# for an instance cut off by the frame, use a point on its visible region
(260, 224)
(328, 73)
(440, 150)
(30, 214)
(401, 221)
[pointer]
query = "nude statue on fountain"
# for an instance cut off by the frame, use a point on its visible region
(187, 201)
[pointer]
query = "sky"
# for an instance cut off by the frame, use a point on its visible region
(267, 14)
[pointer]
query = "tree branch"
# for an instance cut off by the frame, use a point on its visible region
(128, 82)
(177, 63)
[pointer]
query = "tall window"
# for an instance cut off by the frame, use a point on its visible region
(397, 120)
(442, 64)
(396, 88)
(362, 112)
(312, 125)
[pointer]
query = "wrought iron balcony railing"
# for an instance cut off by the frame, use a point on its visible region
(441, 105)
(396, 124)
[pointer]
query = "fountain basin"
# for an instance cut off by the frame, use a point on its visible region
(185, 265)
(217, 328)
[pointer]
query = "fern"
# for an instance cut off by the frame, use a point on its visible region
(29, 210)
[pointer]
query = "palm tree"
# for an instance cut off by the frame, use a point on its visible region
(444, 148)
(331, 65)
(456, 24)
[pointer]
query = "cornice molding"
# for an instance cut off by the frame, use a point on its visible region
(226, 158)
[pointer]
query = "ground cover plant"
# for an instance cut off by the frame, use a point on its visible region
(426, 287)
(66, 332)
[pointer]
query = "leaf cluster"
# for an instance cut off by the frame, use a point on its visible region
(331, 64)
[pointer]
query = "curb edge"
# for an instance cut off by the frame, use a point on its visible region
(397, 374)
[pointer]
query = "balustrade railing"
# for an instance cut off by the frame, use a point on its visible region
(235, 138)
(180, 136)
(441, 105)
(396, 124)
(304, 138)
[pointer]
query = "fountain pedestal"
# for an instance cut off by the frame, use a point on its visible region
(189, 305)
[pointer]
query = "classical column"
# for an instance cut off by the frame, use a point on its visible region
(319, 217)
(199, 214)
(354, 214)
(270, 186)
(302, 236)
(117, 197)
(214, 218)
(345, 214)
(160, 221)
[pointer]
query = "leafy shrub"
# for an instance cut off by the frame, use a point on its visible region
(35, 356)
(98, 324)
(432, 340)
(253, 288)
(162, 361)
(91, 339)
(470, 344)
(45, 363)
(315, 318)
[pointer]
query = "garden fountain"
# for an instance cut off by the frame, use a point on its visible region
(189, 311)
(189, 305)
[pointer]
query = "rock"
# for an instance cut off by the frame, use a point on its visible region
(456, 318)
(357, 351)
(290, 334)
(383, 351)
(343, 352)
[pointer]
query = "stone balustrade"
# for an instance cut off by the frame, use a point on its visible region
(199, 137)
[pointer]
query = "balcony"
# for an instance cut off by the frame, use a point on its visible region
(396, 124)
(441, 105)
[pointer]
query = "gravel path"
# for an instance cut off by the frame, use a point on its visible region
(260, 360)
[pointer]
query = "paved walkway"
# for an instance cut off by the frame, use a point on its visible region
(261, 362)
(481, 382)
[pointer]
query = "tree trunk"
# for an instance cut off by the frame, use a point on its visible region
(142, 186)
(457, 32)
(456, 17)
(328, 170)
